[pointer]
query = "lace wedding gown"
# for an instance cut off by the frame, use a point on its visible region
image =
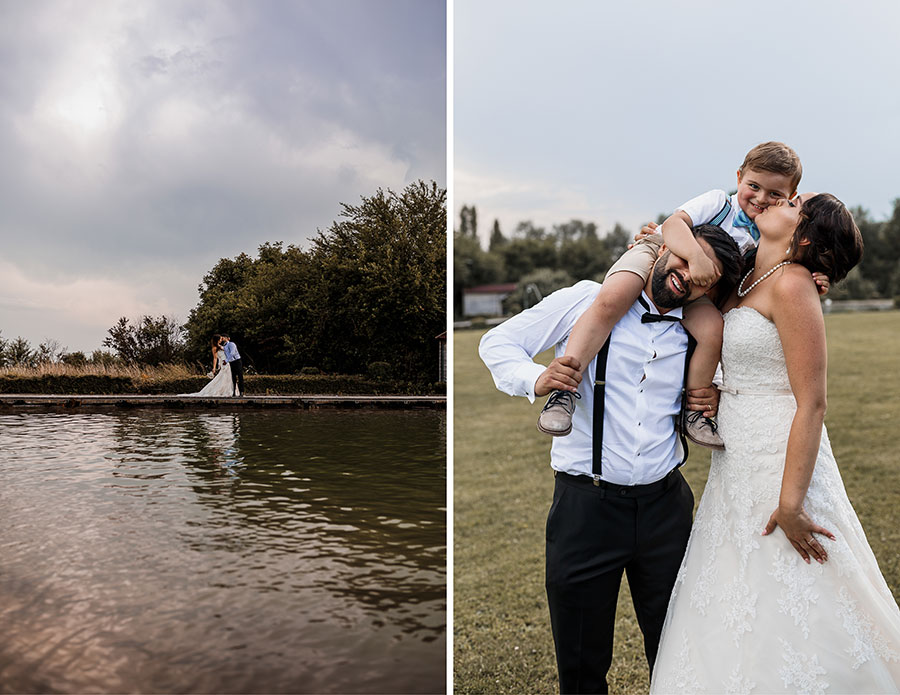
(747, 614)
(221, 384)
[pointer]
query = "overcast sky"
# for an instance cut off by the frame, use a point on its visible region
(143, 141)
(618, 111)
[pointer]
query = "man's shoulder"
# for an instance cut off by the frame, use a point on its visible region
(580, 290)
(562, 307)
(587, 286)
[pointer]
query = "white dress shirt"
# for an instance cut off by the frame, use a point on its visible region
(644, 378)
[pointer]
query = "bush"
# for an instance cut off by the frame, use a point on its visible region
(310, 370)
(379, 370)
(63, 384)
(75, 359)
(104, 358)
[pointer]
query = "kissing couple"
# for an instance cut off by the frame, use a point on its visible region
(227, 375)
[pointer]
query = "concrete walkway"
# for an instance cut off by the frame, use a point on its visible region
(69, 403)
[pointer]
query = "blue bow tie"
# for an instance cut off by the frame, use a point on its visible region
(741, 220)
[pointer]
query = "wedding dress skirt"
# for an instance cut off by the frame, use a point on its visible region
(221, 384)
(747, 614)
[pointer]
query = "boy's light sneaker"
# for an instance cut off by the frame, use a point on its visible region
(702, 430)
(556, 417)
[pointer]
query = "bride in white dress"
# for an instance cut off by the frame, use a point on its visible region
(801, 607)
(221, 384)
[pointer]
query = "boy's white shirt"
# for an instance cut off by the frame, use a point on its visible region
(706, 206)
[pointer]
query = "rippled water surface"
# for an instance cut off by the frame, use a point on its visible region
(155, 551)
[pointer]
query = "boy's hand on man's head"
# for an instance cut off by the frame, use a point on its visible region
(822, 283)
(648, 229)
(704, 272)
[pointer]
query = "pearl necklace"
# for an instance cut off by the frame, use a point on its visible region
(741, 292)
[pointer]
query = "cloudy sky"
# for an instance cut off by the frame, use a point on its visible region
(143, 141)
(618, 111)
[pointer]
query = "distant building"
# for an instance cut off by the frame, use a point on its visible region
(486, 300)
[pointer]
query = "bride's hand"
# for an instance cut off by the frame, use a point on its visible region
(799, 529)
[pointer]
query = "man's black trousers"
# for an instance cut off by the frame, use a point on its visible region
(593, 535)
(237, 377)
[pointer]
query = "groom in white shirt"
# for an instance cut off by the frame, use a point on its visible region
(620, 503)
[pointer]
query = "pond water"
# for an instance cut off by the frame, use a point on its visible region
(252, 551)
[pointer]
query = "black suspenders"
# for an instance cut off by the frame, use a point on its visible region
(600, 404)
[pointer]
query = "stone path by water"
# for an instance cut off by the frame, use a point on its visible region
(89, 402)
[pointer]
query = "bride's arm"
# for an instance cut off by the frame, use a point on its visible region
(798, 317)
(215, 360)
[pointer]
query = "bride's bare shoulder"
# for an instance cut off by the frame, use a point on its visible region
(793, 281)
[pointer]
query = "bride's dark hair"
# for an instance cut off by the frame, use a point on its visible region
(215, 341)
(835, 243)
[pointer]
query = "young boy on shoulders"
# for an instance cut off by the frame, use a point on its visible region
(770, 172)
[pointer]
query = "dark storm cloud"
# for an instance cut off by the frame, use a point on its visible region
(142, 140)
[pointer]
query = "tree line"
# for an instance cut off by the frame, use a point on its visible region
(535, 257)
(370, 289)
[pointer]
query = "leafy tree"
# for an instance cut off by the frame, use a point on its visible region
(74, 359)
(123, 339)
(497, 239)
(524, 255)
(535, 286)
(468, 222)
(372, 288)
(20, 354)
(854, 286)
(258, 302)
(3, 356)
(527, 230)
(152, 341)
(889, 282)
(380, 295)
(104, 358)
(573, 230)
(616, 242)
(49, 351)
(872, 266)
(584, 254)
(584, 258)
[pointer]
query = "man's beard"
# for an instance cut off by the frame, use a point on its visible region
(663, 296)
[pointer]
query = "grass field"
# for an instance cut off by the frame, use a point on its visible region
(503, 487)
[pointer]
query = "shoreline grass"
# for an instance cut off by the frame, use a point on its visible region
(163, 371)
(63, 380)
(503, 487)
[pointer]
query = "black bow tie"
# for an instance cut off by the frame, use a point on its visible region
(650, 318)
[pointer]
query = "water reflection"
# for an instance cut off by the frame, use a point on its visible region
(232, 552)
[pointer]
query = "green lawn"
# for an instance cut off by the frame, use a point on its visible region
(503, 486)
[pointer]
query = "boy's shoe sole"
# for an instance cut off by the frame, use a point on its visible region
(554, 433)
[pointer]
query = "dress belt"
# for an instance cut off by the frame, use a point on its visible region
(755, 392)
